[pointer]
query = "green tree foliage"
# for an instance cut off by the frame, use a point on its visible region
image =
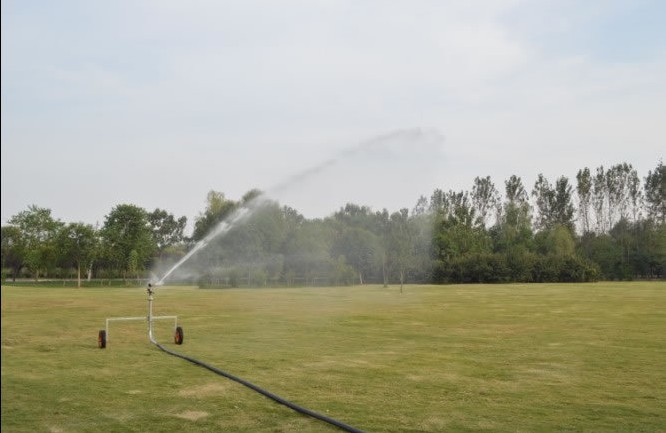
(545, 198)
(554, 204)
(459, 236)
(133, 266)
(253, 248)
(557, 240)
(599, 199)
(584, 191)
(356, 241)
(485, 199)
(635, 194)
(513, 232)
(78, 246)
(273, 243)
(621, 180)
(655, 193)
(13, 250)
(167, 230)
(127, 239)
(402, 244)
(169, 235)
(513, 235)
(39, 232)
(438, 202)
(563, 208)
(217, 209)
(308, 253)
(421, 207)
(602, 250)
(421, 264)
(455, 236)
(383, 228)
(458, 231)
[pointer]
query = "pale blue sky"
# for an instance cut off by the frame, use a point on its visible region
(155, 103)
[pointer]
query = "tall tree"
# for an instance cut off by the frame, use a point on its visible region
(563, 208)
(307, 251)
(512, 235)
(361, 249)
(402, 244)
(361, 239)
(459, 232)
(383, 222)
(485, 198)
(250, 196)
(217, 209)
(438, 202)
(353, 215)
(554, 205)
(599, 199)
(167, 230)
(257, 242)
(584, 190)
(422, 229)
(515, 191)
(421, 206)
(545, 197)
(39, 232)
(78, 245)
(127, 239)
(13, 249)
(655, 193)
(635, 195)
(619, 180)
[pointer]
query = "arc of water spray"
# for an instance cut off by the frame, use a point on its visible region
(426, 135)
(223, 227)
(250, 207)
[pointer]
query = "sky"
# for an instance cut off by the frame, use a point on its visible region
(157, 102)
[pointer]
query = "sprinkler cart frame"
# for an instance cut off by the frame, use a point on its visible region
(103, 336)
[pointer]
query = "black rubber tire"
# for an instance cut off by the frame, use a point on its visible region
(101, 339)
(178, 336)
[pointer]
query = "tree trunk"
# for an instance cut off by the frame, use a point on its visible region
(78, 275)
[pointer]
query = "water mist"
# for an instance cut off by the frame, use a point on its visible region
(394, 167)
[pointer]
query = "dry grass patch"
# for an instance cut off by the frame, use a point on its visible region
(192, 415)
(209, 389)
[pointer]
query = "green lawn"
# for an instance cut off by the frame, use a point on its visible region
(493, 358)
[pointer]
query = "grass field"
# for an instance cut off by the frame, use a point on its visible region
(494, 358)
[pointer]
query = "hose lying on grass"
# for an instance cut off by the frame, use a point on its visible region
(274, 397)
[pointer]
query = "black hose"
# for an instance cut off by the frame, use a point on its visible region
(276, 398)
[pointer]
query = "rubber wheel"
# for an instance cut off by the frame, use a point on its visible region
(178, 336)
(101, 339)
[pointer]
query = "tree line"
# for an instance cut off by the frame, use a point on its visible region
(608, 224)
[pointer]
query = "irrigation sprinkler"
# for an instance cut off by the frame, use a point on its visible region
(103, 336)
(178, 339)
(222, 228)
